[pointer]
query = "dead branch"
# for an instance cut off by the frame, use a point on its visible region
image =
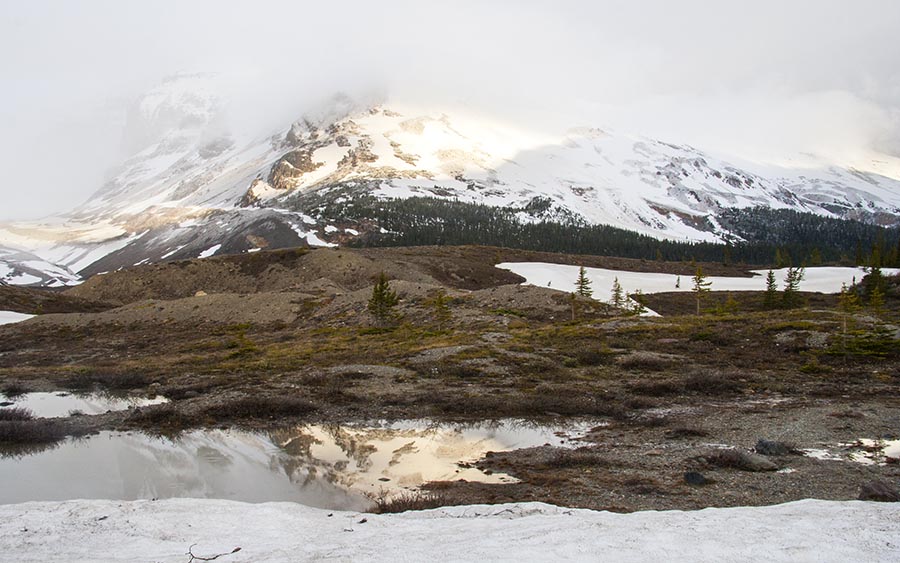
(195, 557)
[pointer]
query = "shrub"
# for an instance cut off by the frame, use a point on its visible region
(658, 388)
(408, 500)
(35, 431)
(15, 413)
(686, 432)
(565, 459)
(15, 389)
(645, 360)
(710, 384)
(84, 380)
(163, 419)
(260, 407)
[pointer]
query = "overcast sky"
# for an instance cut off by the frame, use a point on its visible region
(755, 78)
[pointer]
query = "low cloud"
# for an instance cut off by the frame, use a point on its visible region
(762, 80)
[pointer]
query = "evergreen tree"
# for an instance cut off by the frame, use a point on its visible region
(440, 308)
(701, 286)
(895, 258)
(792, 279)
(876, 299)
(731, 304)
(815, 257)
(383, 301)
(618, 295)
(770, 298)
(637, 308)
(848, 303)
(873, 280)
(583, 284)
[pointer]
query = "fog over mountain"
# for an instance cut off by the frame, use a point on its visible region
(760, 81)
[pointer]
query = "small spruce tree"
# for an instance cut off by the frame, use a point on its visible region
(848, 303)
(618, 295)
(583, 284)
(731, 305)
(701, 286)
(815, 258)
(383, 301)
(770, 298)
(440, 308)
(792, 279)
(876, 299)
(637, 308)
(573, 301)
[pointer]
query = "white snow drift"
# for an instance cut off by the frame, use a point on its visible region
(562, 277)
(9, 317)
(109, 531)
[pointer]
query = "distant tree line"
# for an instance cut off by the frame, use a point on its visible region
(779, 237)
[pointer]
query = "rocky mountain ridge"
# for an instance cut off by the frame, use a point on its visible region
(195, 189)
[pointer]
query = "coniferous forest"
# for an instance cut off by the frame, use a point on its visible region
(769, 236)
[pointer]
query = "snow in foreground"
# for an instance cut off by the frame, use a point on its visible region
(9, 317)
(808, 530)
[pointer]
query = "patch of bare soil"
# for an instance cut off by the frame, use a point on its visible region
(35, 301)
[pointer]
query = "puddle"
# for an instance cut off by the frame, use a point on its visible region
(48, 405)
(865, 451)
(326, 466)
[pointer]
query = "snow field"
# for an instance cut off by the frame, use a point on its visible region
(562, 277)
(109, 531)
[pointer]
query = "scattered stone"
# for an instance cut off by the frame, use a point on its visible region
(738, 460)
(695, 478)
(495, 337)
(756, 462)
(773, 447)
(879, 491)
(685, 432)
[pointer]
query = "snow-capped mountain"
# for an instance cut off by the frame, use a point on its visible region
(193, 188)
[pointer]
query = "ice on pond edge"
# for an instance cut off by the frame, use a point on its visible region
(865, 451)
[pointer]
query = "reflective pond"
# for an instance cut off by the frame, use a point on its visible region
(326, 466)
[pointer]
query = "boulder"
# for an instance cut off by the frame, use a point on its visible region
(772, 447)
(695, 478)
(879, 491)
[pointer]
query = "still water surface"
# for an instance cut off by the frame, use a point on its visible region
(326, 466)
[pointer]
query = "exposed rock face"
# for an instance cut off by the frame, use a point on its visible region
(292, 166)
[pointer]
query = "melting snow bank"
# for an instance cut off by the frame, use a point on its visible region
(9, 317)
(823, 279)
(809, 530)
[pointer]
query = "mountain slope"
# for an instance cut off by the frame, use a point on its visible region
(192, 188)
